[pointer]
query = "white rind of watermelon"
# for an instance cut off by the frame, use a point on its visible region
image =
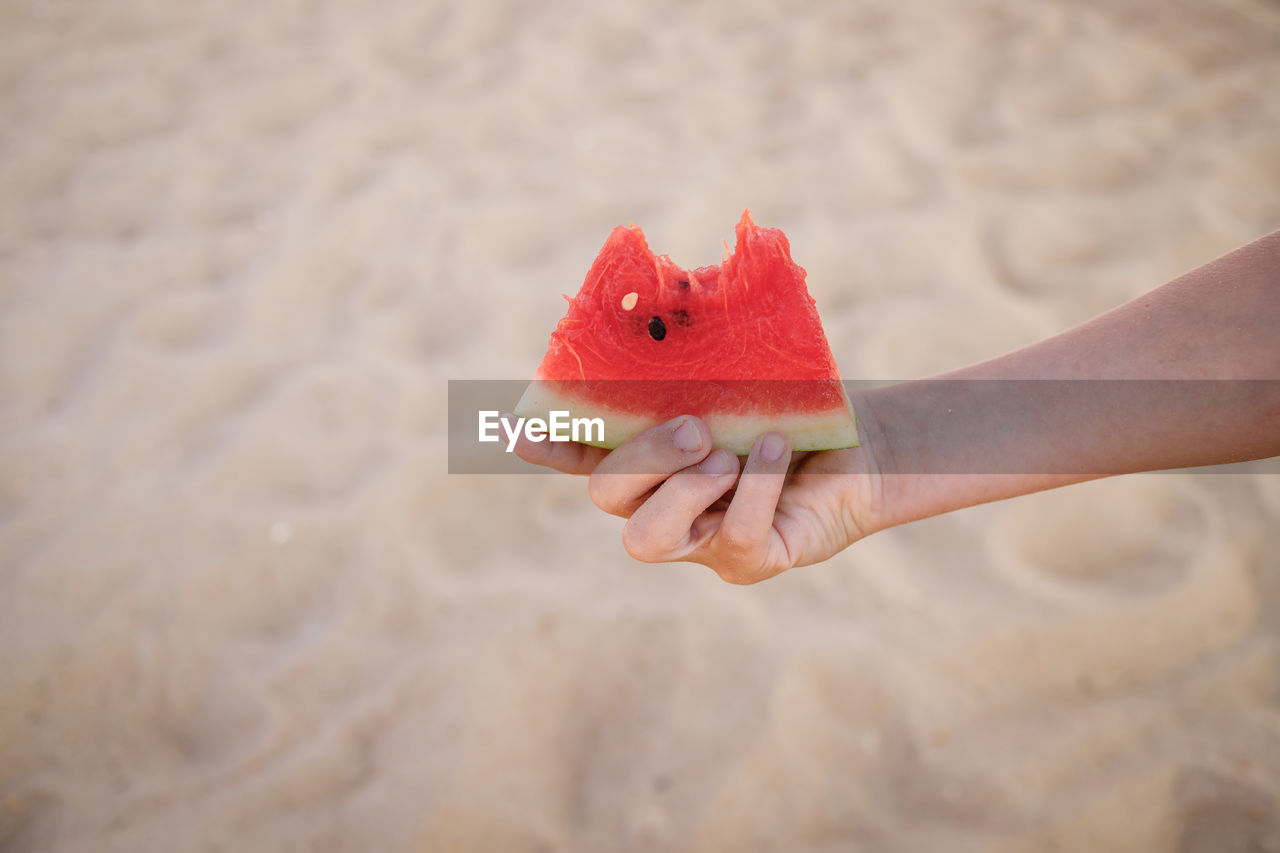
(826, 429)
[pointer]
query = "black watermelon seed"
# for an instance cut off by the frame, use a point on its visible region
(681, 317)
(683, 284)
(657, 330)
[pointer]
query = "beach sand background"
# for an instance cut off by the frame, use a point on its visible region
(244, 607)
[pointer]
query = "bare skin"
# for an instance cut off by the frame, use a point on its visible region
(922, 442)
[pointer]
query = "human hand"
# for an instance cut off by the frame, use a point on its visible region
(936, 446)
(748, 521)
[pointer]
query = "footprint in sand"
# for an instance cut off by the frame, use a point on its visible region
(1129, 536)
(1221, 813)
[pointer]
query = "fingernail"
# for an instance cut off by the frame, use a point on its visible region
(688, 437)
(772, 448)
(717, 463)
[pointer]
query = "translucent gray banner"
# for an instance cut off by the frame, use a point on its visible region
(955, 426)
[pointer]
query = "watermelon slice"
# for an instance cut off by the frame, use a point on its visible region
(739, 344)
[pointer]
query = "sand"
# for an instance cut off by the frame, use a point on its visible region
(244, 607)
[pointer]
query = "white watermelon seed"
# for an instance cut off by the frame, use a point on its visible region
(629, 301)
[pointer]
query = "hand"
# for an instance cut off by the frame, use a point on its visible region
(950, 444)
(684, 501)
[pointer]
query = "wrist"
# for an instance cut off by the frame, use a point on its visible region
(870, 485)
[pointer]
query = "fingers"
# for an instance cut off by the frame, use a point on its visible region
(746, 546)
(626, 477)
(739, 543)
(623, 478)
(569, 457)
(681, 499)
(663, 526)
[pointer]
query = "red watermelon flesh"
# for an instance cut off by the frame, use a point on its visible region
(739, 344)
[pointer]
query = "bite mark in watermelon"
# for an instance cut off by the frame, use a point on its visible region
(739, 345)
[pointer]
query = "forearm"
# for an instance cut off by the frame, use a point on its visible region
(985, 433)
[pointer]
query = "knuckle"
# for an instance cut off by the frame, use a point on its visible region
(638, 545)
(738, 548)
(596, 491)
(604, 494)
(736, 575)
(738, 558)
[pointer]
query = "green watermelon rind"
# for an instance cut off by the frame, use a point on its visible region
(825, 429)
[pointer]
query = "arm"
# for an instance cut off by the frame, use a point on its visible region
(1188, 374)
(1210, 330)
